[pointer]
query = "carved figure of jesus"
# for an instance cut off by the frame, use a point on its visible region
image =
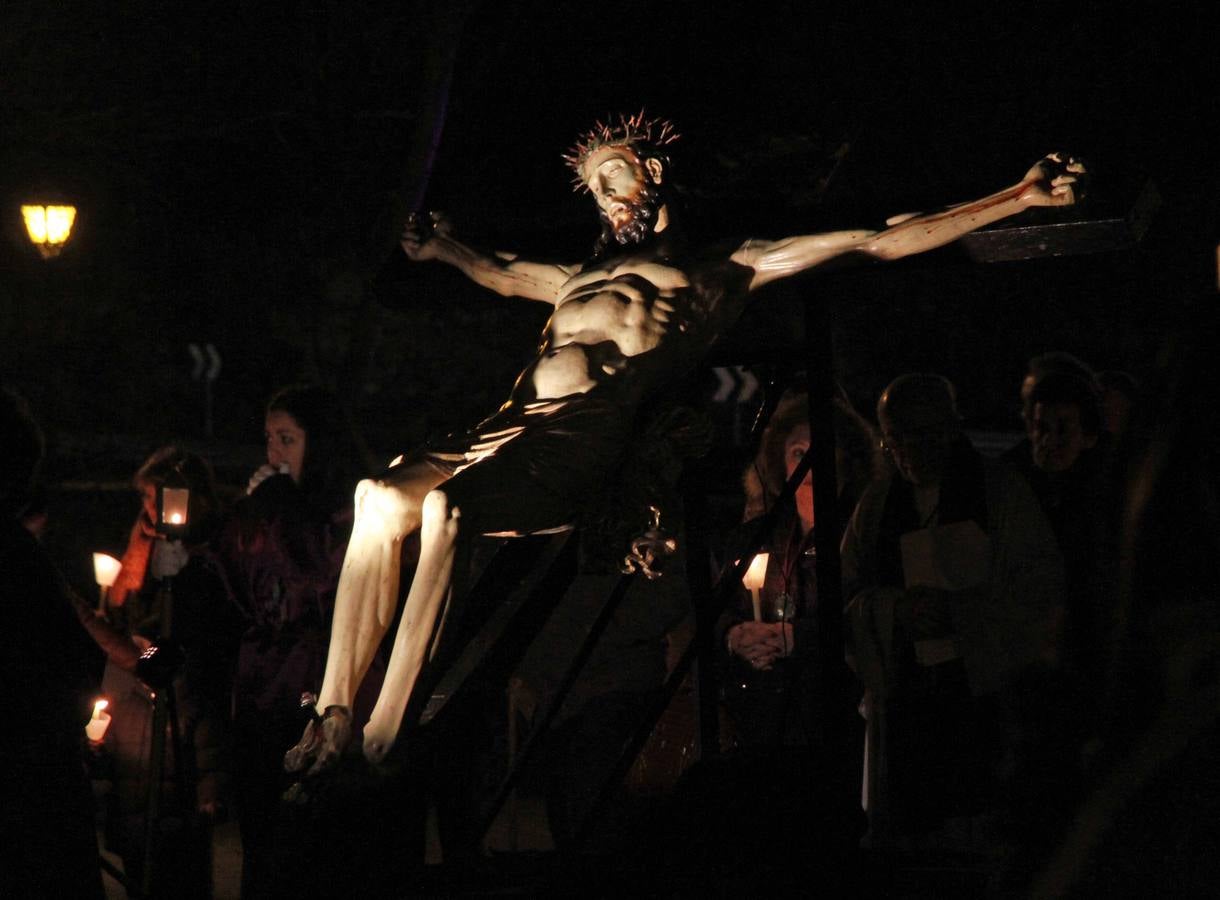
(637, 314)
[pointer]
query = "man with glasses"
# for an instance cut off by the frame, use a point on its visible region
(954, 586)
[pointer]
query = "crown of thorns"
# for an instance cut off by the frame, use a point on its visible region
(643, 136)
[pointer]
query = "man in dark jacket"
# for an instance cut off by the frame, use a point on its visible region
(49, 667)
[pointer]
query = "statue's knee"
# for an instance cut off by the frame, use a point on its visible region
(436, 505)
(384, 507)
(438, 511)
(363, 488)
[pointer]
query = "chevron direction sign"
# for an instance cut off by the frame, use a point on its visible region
(734, 384)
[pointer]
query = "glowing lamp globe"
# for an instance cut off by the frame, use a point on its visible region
(49, 227)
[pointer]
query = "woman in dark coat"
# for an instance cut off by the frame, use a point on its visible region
(281, 553)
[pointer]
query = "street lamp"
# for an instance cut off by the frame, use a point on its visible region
(49, 227)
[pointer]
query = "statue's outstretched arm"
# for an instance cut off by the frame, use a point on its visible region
(502, 273)
(1050, 182)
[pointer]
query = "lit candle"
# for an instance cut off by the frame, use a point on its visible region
(753, 579)
(96, 729)
(105, 571)
(174, 505)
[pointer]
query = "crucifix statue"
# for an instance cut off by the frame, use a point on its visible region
(637, 314)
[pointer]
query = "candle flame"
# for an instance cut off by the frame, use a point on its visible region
(105, 569)
(96, 729)
(757, 573)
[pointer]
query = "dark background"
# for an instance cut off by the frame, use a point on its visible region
(242, 172)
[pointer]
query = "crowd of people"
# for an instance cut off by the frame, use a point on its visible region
(230, 617)
(981, 617)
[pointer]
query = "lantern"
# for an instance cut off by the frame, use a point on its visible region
(173, 506)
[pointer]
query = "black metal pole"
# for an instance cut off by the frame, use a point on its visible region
(822, 390)
(540, 728)
(707, 684)
(156, 755)
(714, 599)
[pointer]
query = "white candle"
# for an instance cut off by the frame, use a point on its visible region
(754, 578)
(96, 729)
(105, 571)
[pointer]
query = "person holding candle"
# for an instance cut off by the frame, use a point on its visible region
(168, 592)
(786, 779)
(49, 669)
(769, 633)
(145, 546)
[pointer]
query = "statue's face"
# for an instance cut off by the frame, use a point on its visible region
(621, 185)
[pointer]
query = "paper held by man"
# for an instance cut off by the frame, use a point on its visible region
(954, 557)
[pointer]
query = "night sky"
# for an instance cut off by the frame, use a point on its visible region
(242, 174)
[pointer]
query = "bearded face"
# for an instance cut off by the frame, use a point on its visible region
(635, 221)
(624, 187)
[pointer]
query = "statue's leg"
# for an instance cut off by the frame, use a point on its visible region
(386, 512)
(527, 484)
(421, 617)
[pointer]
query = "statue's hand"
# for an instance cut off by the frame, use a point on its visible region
(323, 742)
(418, 234)
(1055, 180)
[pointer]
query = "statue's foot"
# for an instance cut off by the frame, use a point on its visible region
(378, 741)
(323, 742)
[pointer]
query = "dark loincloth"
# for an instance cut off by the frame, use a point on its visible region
(530, 467)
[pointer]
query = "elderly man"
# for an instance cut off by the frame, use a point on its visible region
(955, 589)
(638, 313)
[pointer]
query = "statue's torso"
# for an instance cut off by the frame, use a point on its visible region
(610, 315)
(617, 302)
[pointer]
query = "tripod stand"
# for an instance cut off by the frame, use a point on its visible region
(157, 668)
